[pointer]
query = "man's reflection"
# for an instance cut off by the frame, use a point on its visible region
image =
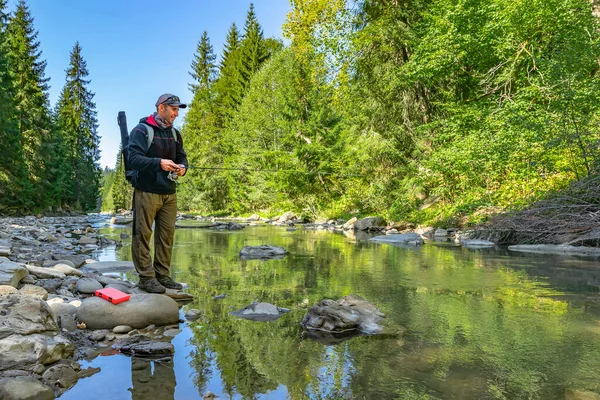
(152, 379)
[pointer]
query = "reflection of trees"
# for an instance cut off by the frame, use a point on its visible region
(475, 326)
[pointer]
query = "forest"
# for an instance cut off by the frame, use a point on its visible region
(421, 111)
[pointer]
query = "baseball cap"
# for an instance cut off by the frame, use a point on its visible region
(171, 100)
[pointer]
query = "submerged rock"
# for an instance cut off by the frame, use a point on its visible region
(140, 345)
(556, 249)
(400, 238)
(260, 312)
(262, 252)
(350, 313)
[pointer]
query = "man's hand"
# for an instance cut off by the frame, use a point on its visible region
(169, 165)
(181, 170)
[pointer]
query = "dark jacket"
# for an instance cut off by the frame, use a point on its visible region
(146, 161)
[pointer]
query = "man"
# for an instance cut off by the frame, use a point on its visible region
(154, 197)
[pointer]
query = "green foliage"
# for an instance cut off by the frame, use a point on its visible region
(122, 191)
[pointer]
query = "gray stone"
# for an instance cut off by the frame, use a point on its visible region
(260, 312)
(369, 223)
(34, 291)
(67, 270)
(349, 313)
(62, 375)
(122, 329)
(67, 322)
(24, 388)
(121, 220)
(87, 240)
(98, 335)
(107, 280)
(50, 284)
(440, 233)
(52, 263)
(77, 260)
(110, 266)
(5, 290)
(476, 243)
(140, 345)
(172, 332)
(17, 351)
(192, 315)
(120, 287)
(45, 273)
(556, 249)
(288, 216)
(254, 217)
(349, 224)
(400, 238)
(11, 273)
(140, 311)
(88, 285)
(262, 252)
(25, 315)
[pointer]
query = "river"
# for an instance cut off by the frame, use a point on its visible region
(461, 324)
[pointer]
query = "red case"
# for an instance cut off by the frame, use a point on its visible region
(113, 295)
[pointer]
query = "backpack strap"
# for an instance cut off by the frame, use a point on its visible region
(150, 134)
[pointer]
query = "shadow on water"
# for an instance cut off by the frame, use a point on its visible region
(461, 324)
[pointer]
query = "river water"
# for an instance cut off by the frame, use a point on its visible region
(461, 324)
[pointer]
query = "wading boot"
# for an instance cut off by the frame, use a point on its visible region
(169, 283)
(151, 285)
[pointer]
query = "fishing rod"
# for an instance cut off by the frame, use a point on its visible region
(275, 171)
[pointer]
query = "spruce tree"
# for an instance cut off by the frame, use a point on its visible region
(122, 191)
(78, 123)
(253, 52)
(30, 99)
(11, 173)
(227, 87)
(203, 66)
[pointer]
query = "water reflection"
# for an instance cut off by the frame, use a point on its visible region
(152, 379)
(461, 324)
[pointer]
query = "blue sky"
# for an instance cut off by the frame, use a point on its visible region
(137, 49)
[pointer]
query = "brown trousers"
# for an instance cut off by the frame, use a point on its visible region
(162, 210)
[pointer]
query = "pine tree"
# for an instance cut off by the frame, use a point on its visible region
(203, 65)
(11, 173)
(78, 123)
(227, 87)
(253, 52)
(30, 99)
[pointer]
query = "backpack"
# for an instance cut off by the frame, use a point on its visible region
(130, 174)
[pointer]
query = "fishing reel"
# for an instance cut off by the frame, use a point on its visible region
(172, 176)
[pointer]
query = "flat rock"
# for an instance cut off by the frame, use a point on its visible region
(476, 243)
(110, 266)
(563, 249)
(262, 252)
(34, 291)
(23, 352)
(62, 375)
(67, 270)
(45, 273)
(24, 388)
(25, 315)
(260, 312)
(139, 345)
(11, 273)
(140, 311)
(400, 238)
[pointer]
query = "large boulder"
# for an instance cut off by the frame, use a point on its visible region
(400, 238)
(25, 315)
(11, 273)
(263, 251)
(22, 352)
(350, 223)
(24, 388)
(140, 311)
(349, 313)
(370, 223)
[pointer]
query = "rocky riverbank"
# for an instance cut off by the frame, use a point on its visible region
(49, 317)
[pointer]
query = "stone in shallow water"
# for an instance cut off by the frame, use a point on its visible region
(260, 312)
(262, 252)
